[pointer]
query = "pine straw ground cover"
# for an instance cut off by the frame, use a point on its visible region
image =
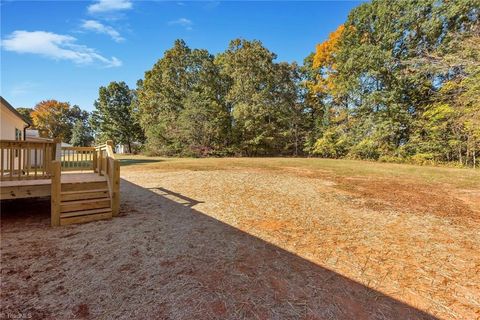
(255, 239)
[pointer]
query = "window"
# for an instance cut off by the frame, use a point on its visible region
(18, 134)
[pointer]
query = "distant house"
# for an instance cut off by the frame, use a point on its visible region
(123, 148)
(34, 135)
(12, 123)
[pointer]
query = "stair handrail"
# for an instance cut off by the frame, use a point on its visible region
(107, 165)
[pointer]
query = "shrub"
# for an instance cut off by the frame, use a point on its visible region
(423, 159)
(391, 159)
(331, 145)
(365, 149)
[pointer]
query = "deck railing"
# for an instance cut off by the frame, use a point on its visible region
(25, 160)
(78, 158)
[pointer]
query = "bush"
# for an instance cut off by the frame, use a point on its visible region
(423, 159)
(325, 148)
(331, 145)
(391, 159)
(365, 149)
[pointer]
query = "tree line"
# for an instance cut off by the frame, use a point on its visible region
(399, 81)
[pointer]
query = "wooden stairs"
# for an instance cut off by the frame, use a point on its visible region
(85, 196)
(84, 202)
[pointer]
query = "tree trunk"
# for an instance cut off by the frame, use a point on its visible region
(474, 158)
(296, 141)
(468, 151)
(460, 153)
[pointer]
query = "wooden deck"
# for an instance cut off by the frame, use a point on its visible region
(17, 189)
(76, 196)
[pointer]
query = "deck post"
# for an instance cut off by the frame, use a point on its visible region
(57, 149)
(100, 161)
(52, 153)
(56, 192)
(94, 161)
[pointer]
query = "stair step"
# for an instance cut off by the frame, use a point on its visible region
(84, 194)
(84, 186)
(79, 205)
(85, 216)
(84, 213)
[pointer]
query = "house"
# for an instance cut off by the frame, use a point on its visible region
(13, 124)
(13, 127)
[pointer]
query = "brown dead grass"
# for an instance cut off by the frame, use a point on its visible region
(380, 193)
(276, 239)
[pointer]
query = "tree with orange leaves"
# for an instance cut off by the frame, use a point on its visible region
(325, 51)
(55, 119)
(324, 61)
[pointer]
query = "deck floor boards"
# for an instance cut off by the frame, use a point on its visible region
(67, 177)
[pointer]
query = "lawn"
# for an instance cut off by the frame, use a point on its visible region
(256, 238)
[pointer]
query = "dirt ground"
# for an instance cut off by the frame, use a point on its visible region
(254, 239)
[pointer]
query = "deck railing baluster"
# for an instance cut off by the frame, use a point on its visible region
(2, 156)
(36, 162)
(27, 161)
(11, 162)
(19, 163)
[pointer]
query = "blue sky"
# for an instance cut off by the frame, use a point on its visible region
(66, 50)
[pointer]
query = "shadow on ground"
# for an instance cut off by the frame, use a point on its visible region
(129, 162)
(162, 259)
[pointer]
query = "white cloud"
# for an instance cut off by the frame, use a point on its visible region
(20, 89)
(98, 27)
(209, 5)
(55, 46)
(184, 22)
(109, 5)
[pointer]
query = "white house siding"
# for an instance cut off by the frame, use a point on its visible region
(8, 123)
